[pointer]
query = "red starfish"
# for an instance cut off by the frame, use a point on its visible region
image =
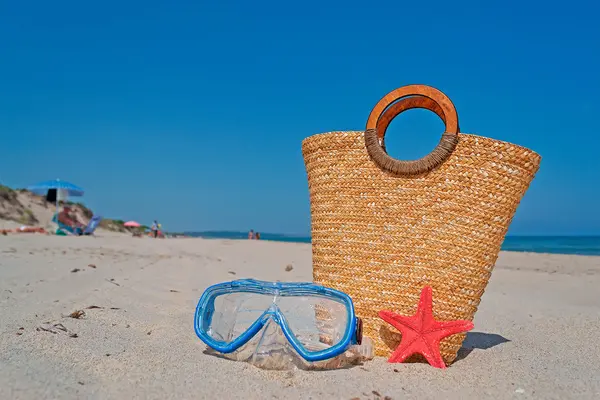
(421, 333)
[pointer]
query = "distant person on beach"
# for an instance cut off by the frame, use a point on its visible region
(251, 234)
(154, 229)
(65, 217)
(257, 236)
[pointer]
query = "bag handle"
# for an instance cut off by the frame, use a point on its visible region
(412, 96)
(402, 105)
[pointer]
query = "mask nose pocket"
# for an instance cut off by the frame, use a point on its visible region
(267, 339)
(272, 350)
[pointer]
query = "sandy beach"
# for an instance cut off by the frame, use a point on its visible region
(535, 332)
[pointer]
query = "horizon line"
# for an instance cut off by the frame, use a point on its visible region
(300, 235)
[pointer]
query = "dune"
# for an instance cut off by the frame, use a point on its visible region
(22, 208)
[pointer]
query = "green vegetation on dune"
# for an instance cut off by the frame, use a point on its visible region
(8, 194)
(115, 225)
(28, 218)
(13, 210)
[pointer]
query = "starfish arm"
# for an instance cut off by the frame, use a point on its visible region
(451, 327)
(404, 350)
(433, 356)
(425, 307)
(399, 322)
(388, 316)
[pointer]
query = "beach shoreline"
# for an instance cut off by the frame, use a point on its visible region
(585, 245)
(535, 330)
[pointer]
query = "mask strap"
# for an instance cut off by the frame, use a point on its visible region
(359, 331)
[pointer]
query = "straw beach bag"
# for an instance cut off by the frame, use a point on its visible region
(382, 228)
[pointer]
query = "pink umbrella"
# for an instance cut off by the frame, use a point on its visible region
(132, 224)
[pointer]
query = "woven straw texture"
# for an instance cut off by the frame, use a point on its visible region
(381, 237)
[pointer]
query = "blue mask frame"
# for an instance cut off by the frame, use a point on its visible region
(205, 311)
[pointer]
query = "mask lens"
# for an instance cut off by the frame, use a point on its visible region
(318, 323)
(234, 313)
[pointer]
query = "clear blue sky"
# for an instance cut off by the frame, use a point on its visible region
(193, 112)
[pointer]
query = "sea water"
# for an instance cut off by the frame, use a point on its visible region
(581, 245)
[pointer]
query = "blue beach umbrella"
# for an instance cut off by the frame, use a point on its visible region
(43, 187)
(68, 188)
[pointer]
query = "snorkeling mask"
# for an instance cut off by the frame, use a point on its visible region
(317, 322)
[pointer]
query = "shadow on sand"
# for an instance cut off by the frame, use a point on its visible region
(479, 341)
(473, 341)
